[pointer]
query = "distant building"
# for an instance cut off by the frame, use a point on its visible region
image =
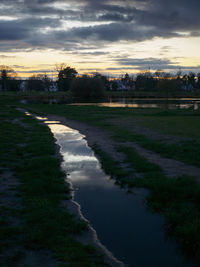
(23, 86)
(187, 87)
(53, 87)
(123, 86)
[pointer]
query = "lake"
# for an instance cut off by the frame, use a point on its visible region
(170, 103)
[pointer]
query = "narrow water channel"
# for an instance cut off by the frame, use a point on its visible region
(124, 226)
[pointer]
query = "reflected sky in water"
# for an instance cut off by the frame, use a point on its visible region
(195, 106)
(40, 118)
(170, 103)
(51, 122)
(123, 224)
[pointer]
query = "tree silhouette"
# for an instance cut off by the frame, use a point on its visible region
(191, 79)
(198, 80)
(7, 77)
(66, 75)
(88, 88)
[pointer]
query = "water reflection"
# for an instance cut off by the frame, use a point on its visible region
(123, 224)
(52, 122)
(170, 103)
(40, 118)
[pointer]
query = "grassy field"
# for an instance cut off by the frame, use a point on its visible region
(186, 126)
(108, 94)
(39, 223)
(187, 151)
(177, 199)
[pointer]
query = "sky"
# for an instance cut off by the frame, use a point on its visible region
(106, 36)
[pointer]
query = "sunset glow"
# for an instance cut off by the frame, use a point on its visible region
(111, 37)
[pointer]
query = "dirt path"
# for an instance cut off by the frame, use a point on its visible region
(171, 167)
(134, 126)
(103, 139)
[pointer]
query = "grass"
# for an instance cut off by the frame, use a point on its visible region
(189, 126)
(177, 199)
(110, 166)
(44, 223)
(109, 94)
(187, 151)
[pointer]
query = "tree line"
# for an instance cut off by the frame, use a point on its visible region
(94, 86)
(161, 80)
(84, 86)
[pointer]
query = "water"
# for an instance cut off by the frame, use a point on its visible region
(123, 224)
(171, 103)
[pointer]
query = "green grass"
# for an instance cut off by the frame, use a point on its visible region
(178, 199)
(189, 126)
(187, 151)
(111, 167)
(44, 223)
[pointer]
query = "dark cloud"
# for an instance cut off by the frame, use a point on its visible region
(113, 32)
(96, 53)
(152, 63)
(143, 61)
(195, 34)
(119, 20)
(21, 29)
(120, 68)
(37, 71)
(13, 30)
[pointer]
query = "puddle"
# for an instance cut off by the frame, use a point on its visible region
(124, 226)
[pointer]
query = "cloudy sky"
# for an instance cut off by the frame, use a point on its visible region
(108, 36)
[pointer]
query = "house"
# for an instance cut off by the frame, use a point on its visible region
(53, 87)
(120, 85)
(187, 87)
(124, 86)
(23, 85)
